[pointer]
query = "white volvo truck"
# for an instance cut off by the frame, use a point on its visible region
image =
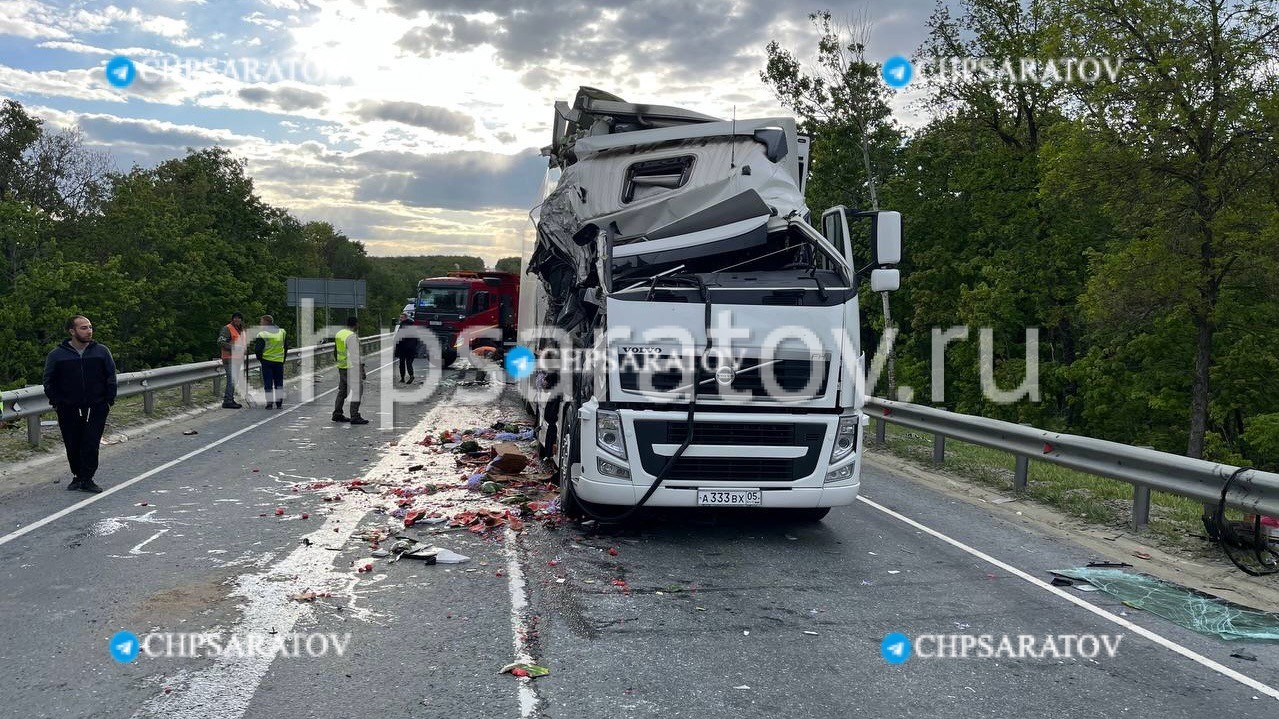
(697, 338)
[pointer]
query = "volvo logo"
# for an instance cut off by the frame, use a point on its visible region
(725, 374)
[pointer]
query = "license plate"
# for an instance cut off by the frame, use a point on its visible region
(729, 497)
(435, 324)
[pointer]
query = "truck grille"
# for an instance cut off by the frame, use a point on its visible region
(732, 469)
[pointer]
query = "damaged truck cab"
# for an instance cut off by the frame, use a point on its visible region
(697, 338)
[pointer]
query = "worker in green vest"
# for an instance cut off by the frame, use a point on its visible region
(271, 347)
(346, 344)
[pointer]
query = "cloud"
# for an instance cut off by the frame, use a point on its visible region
(440, 119)
(76, 47)
(666, 35)
(30, 19)
(289, 99)
(464, 180)
(111, 130)
(175, 30)
(81, 84)
(448, 33)
(537, 78)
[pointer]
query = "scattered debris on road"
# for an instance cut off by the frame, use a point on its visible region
(523, 669)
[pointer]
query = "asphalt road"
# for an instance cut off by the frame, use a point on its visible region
(694, 614)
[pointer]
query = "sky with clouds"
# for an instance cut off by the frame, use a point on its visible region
(411, 125)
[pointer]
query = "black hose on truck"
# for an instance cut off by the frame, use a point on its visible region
(704, 291)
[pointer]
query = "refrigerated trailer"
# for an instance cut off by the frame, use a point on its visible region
(697, 337)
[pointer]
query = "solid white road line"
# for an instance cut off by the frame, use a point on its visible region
(167, 465)
(224, 688)
(519, 625)
(1114, 618)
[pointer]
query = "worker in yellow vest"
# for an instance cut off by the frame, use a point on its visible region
(231, 340)
(346, 345)
(271, 347)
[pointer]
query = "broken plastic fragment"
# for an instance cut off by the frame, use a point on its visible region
(521, 669)
(444, 556)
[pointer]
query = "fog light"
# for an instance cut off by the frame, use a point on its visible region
(837, 475)
(608, 469)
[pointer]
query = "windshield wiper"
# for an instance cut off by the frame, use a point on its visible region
(646, 280)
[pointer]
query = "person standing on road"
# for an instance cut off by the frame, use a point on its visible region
(231, 340)
(79, 380)
(405, 347)
(346, 344)
(271, 347)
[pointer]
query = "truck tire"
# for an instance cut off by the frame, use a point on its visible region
(450, 356)
(568, 451)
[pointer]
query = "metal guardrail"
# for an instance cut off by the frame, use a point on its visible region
(29, 402)
(1146, 469)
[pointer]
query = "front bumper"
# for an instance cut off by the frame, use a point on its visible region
(786, 456)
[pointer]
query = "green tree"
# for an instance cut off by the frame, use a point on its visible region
(1187, 146)
(508, 264)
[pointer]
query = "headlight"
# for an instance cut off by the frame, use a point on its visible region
(845, 438)
(609, 434)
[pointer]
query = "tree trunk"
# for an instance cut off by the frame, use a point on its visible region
(891, 365)
(1199, 390)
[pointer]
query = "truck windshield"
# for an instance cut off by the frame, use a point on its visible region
(441, 299)
(790, 249)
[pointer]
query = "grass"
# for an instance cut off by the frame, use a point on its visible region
(1099, 501)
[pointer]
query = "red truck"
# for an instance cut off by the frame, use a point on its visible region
(457, 308)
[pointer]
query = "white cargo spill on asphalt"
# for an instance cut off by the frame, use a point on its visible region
(225, 689)
(111, 525)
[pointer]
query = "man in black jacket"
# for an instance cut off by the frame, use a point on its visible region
(405, 347)
(79, 380)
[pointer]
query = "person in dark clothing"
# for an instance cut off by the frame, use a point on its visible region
(79, 380)
(405, 348)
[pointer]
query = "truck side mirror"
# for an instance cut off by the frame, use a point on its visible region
(885, 280)
(888, 238)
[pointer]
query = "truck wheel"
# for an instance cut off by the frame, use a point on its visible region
(569, 451)
(450, 356)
